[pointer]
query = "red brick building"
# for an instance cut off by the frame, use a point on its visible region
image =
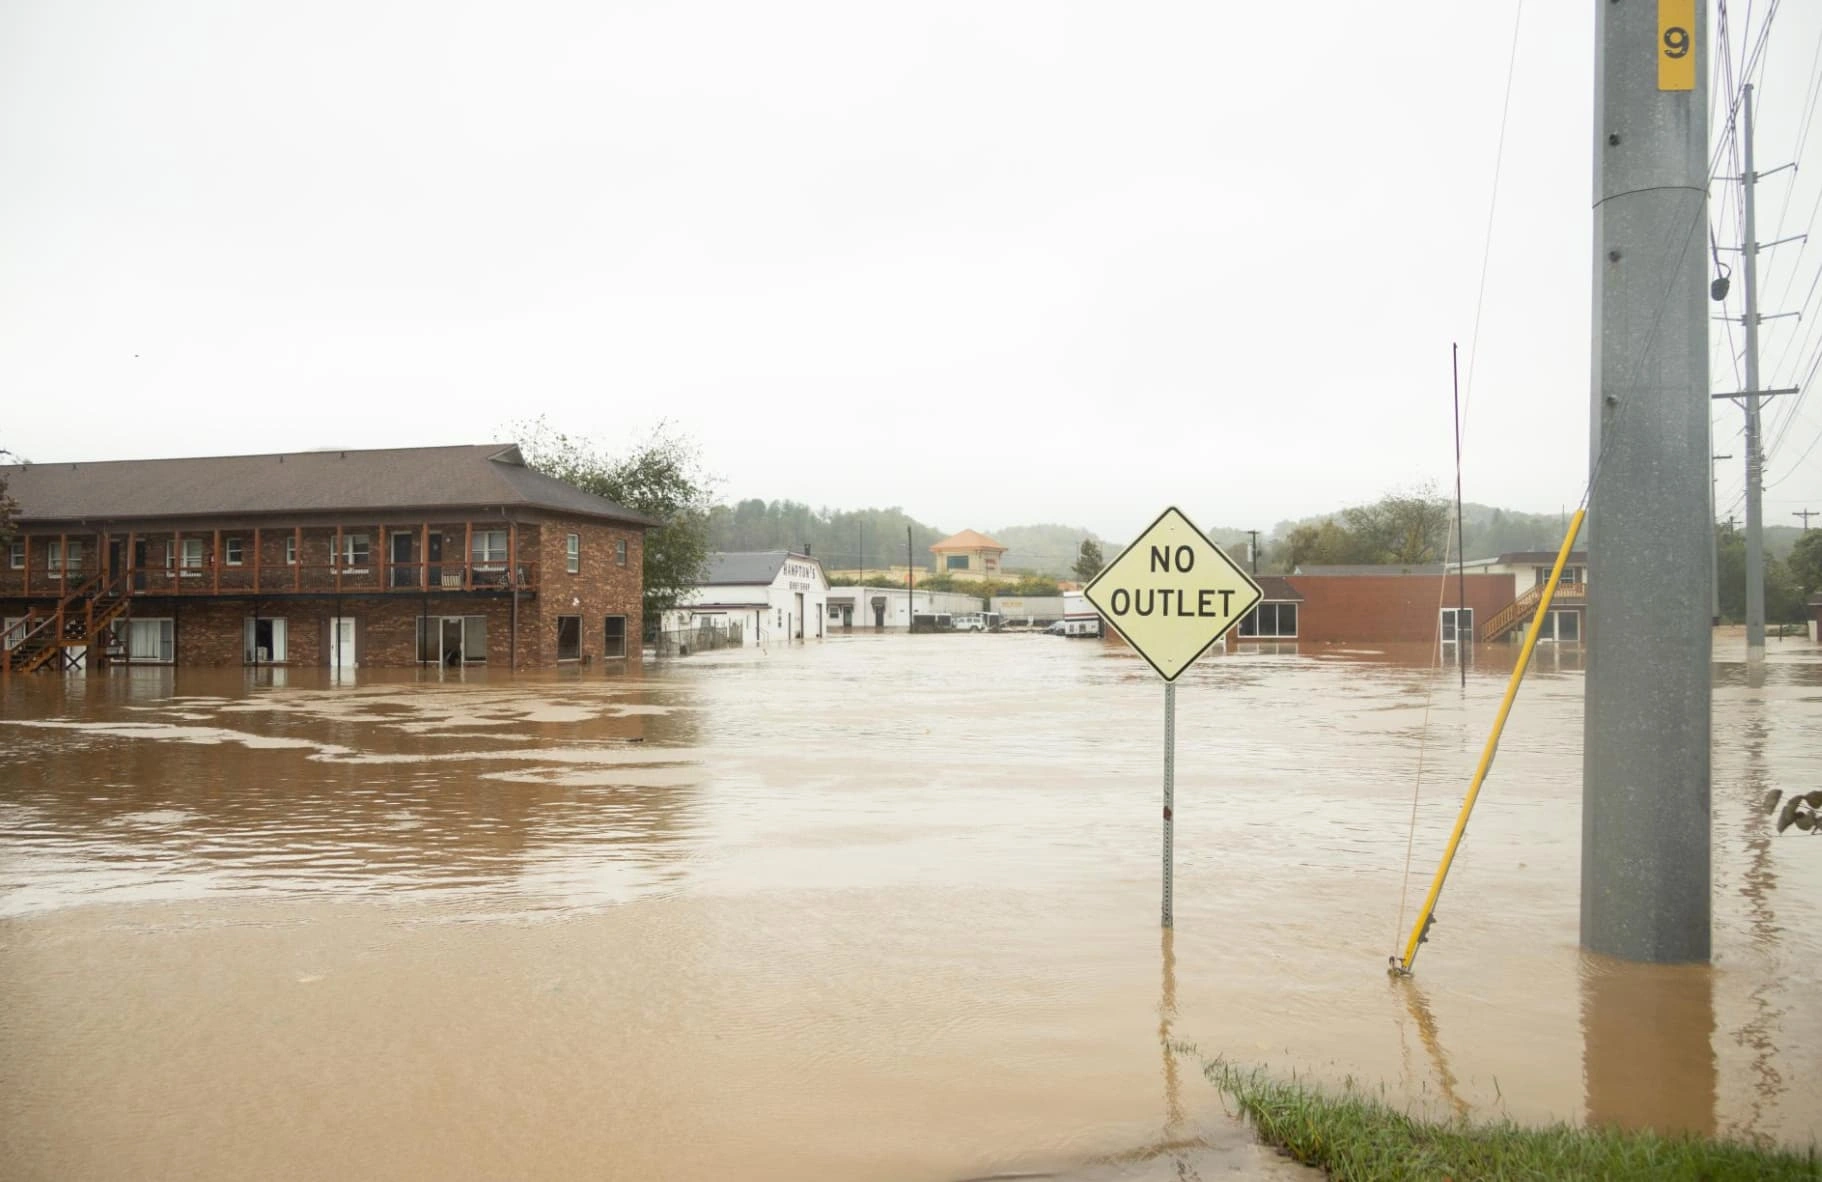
(398, 557)
(1391, 604)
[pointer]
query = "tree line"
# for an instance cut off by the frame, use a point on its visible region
(663, 477)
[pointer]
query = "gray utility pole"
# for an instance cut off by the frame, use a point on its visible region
(1645, 735)
(1755, 539)
(1806, 514)
(1749, 397)
(1252, 550)
(910, 588)
(1714, 540)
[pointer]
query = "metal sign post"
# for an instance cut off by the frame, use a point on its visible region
(1171, 595)
(1170, 787)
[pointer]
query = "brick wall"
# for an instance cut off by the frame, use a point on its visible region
(211, 632)
(602, 587)
(1353, 609)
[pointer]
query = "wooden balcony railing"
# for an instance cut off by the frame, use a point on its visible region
(403, 578)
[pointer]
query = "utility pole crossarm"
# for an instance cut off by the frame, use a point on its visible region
(1753, 394)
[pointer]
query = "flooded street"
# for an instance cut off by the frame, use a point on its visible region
(881, 907)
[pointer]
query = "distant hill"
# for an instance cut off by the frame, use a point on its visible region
(1489, 531)
(852, 538)
(844, 539)
(1045, 549)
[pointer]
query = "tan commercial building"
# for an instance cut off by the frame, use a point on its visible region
(968, 555)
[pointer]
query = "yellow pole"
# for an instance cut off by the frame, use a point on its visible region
(1486, 756)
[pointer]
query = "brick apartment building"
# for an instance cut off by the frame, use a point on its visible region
(397, 557)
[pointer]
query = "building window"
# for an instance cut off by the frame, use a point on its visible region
(263, 640)
(1271, 621)
(231, 551)
(291, 550)
(190, 559)
(16, 553)
(148, 640)
(955, 562)
(6, 630)
(60, 562)
(572, 553)
(452, 640)
(620, 552)
(488, 548)
(1541, 575)
(569, 638)
(1458, 624)
(356, 551)
(613, 637)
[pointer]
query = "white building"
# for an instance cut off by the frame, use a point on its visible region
(1530, 570)
(772, 596)
(871, 608)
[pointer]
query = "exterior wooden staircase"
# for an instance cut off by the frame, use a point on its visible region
(1519, 612)
(45, 638)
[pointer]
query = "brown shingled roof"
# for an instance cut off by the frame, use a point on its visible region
(1278, 589)
(470, 476)
(967, 540)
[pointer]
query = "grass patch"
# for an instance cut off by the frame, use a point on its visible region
(1356, 1137)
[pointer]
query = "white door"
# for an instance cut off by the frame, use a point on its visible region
(341, 642)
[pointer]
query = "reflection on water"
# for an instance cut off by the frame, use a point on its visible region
(377, 788)
(1648, 1053)
(1167, 1013)
(883, 907)
(1419, 1007)
(1758, 887)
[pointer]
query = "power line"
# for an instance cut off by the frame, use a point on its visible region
(1486, 252)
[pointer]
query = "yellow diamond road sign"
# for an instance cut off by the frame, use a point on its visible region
(1172, 594)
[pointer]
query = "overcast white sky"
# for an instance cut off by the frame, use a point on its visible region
(997, 263)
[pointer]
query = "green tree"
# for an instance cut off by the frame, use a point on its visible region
(9, 508)
(1730, 558)
(661, 478)
(1784, 593)
(1408, 528)
(1089, 560)
(1324, 543)
(1805, 562)
(1783, 598)
(1401, 528)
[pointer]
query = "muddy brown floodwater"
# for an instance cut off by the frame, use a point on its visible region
(880, 907)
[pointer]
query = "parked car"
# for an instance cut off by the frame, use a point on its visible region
(970, 622)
